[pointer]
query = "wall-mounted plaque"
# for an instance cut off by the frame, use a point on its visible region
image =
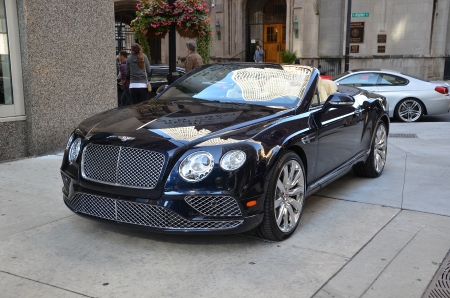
(381, 38)
(354, 49)
(357, 32)
(381, 49)
(298, 3)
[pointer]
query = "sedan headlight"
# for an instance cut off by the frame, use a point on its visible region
(232, 160)
(74, 150)
(196, 166)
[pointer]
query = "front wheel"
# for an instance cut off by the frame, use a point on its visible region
(374, 165)
(409, 110)
(285, 198)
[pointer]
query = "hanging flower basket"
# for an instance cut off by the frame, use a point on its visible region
(191, 17)
(187, 33)
(153, 18)
(155, 34)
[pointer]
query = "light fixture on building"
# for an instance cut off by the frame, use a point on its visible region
(295, 25)
(218, 30)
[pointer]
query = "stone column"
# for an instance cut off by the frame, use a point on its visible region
(69, 67)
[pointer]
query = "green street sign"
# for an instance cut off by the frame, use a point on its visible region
(360, 14)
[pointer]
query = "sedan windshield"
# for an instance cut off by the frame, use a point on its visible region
(244, 84)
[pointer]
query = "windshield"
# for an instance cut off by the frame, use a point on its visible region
(244, 84)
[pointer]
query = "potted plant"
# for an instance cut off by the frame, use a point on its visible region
(153, 18)
(288, 56)
(192, 18)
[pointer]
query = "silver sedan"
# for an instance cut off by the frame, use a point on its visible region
(409, 98)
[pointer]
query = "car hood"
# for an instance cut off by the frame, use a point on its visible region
(184, 122)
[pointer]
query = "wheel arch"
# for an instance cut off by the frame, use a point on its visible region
(299, 151)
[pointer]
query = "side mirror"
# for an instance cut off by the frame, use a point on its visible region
(161, 88)
(339, 100)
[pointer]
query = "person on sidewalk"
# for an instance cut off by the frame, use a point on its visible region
(193, 59)
(138, 69)
(259, 54)
(124, 82)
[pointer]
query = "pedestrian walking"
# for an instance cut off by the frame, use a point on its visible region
(193, 59)
(125, 99)
(138, 69)
(259, 54)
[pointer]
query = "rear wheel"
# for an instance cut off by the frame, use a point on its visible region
(374, 165)
(409, 110)
(285, 198)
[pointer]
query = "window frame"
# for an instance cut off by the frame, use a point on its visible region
(15, 111)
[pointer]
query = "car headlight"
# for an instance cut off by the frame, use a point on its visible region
(69, 141)
(196, 166)
(232, 160)
(74, 150)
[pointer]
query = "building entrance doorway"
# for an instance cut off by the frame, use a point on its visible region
(274, 42)
(266, 26)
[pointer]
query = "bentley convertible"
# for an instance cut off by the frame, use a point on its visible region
(227, 148)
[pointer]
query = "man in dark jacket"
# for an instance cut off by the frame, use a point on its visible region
(124, 82)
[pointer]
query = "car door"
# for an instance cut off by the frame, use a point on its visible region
(339, 132)
(395, 88)
(364, 80)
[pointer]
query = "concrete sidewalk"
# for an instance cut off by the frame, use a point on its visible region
(358, 237)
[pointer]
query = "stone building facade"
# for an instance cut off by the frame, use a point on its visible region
(61, 59)
(58, 58)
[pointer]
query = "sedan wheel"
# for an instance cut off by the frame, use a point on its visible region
(409, 110)
(285, 198)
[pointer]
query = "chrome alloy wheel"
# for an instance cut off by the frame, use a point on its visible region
(380, 147)
(289, 196)
(410, 110)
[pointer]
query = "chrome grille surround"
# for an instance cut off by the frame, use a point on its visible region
(214, 205)
(122, 166)
(141, 214)
(66, 182)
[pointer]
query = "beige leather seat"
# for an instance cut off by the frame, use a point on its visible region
(326, 88)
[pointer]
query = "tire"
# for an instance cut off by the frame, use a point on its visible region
(288, 175)
(409, 110)
(374, 165)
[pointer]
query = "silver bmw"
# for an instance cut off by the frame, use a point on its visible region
(409, 98)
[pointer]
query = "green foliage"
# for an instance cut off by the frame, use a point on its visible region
(204, 43)
(142, 40)
(288, 56)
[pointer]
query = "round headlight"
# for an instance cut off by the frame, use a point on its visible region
(70, 140)
(232, 160)
(196, 166)
(74, 150)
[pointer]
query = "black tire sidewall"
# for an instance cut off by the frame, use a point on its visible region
(269, 215)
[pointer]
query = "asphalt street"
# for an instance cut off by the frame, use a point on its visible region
(383, 237)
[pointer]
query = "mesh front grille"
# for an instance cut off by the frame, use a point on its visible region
(214, 205)
(66, 182)
(140, 214)
(123, 166)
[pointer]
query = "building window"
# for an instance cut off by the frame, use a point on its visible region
(6, 96)
(11, 87)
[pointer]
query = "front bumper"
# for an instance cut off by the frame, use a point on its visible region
(213, 214)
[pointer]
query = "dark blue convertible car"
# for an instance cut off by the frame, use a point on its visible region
(227, 148)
